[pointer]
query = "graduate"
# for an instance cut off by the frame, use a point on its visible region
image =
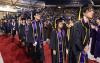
(47, 30)
(69, 31)
(7, 26)
(2, 25)
(97, 45)
(38, 37)
(81, 35)
(14, 28)
(22, 31)
(93, 36)
(92, 39)
(58, 43)
(29, 40)
(46, 44)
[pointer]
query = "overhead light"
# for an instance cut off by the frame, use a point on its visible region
(7, 8)
(59, 7)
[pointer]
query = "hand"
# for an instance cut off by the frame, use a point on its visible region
(35, 44)
(23, 43)
(86, 49)
(40, 46)
(48, 40)
(67, 51)
(96, 29)
(92, 26)
(44, 42)
(54, 52)
(72, 24)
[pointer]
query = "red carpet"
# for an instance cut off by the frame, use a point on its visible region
(12, 53)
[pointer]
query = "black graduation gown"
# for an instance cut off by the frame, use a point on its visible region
(80, 39)
(97, 45)
(54, 44)
(29, 35)
(22, 32)
(29, 41)
(47, 31)
(93, 36)
(71, 56)
(14, 28)
(39, 39)
(7, 27)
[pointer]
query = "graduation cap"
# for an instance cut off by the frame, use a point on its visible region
(23, 19)
(59, 20)
(37, 13)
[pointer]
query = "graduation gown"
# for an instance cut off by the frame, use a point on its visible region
(22, 32)
(80, 39)
(29, 33)
(29, 40)
(59, 45)
(38, 37)
(47, 31)
(7, 27)
(14, 28)
(97, 45)
(38, 31)
(93, 36)
(70, 37)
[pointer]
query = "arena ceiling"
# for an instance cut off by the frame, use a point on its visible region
(18, 2)
(47, 2)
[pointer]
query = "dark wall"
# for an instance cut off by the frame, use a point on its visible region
(96, 2)
(56, 2)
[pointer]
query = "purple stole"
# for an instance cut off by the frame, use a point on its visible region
(83, 57)
(34, 25)
(60, 46)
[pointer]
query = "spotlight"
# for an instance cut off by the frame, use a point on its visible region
(59, 7)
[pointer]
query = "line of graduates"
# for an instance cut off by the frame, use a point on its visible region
(67, 38)
(34, 34)
(95, 40)
(9, 26)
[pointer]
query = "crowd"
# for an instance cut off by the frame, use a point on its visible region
(64, 34)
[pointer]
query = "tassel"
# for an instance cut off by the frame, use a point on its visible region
(79, 16)
(55, 24)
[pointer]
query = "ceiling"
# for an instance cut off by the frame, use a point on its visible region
(17, 2)
(48, 2)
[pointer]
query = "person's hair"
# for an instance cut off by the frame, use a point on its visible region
(37, 13)
(85, 8)
(23, 19)
(58, 21)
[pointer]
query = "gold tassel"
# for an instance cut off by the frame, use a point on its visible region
(79, 58)
(55, 23)
(79, 16)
